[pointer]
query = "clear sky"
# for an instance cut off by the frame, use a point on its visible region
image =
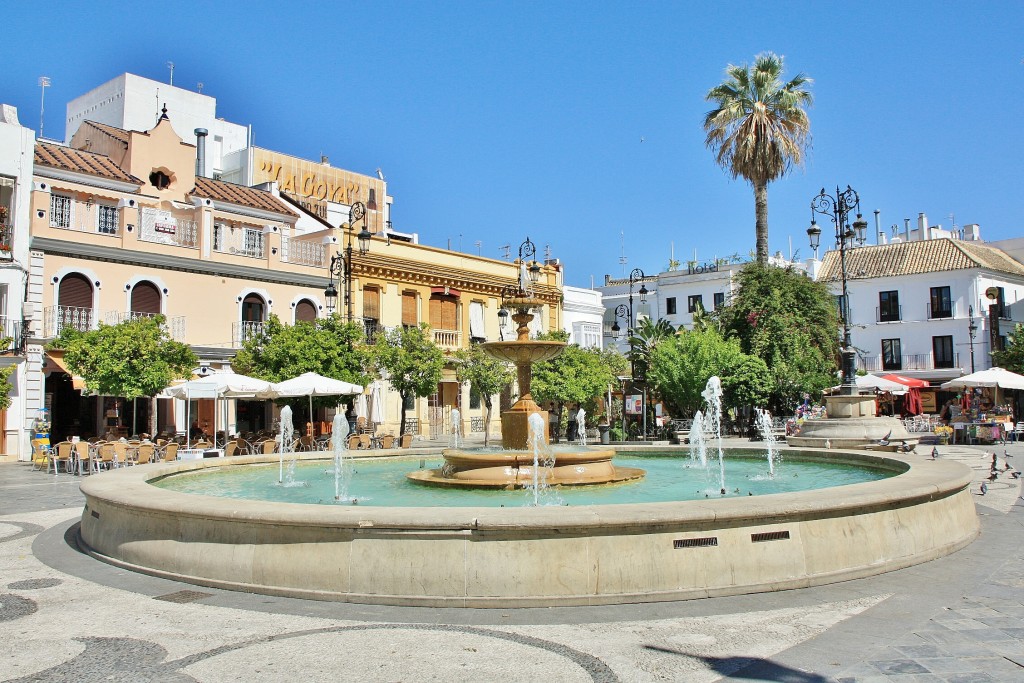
(574, 123)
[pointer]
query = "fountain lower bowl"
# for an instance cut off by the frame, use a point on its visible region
(515, 469)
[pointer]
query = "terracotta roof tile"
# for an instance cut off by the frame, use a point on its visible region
(68, 159)
(911, 258)
(221, 191)
(117, 133)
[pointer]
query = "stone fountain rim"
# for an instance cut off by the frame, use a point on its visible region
(919, 481)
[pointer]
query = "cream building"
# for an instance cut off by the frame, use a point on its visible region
(123, 226)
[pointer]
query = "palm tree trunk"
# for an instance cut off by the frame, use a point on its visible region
(761, 221)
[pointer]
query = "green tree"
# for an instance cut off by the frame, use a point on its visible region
(328, 346)
(410, 361)
(5, 375)
(133, 359)
(578, 376)
(487, 376)
(682, 366)
(644, 338)
(1012, 357)
(759, 129)
(791, 323)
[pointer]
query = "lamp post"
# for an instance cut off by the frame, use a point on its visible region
(341, 265)
(972, 331)
(839, 208)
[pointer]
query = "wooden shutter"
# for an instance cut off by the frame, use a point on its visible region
(252, 308)
(371, 303)
(305, 311)
(145, 298)
(409, 309)
(75, 291)
(448, 321)
(435, 313)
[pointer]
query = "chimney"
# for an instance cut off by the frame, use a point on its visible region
(201, 134)
(922, 227)
(906, 229)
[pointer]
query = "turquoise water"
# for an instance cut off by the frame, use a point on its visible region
(382, 482)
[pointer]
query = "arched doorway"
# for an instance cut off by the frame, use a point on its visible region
(145, 298)
(305, 311)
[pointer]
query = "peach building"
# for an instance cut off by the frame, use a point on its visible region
(122, 226)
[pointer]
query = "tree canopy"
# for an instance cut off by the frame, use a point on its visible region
(410, 361)
(643, 339)
(487, 376)
(132, 359)
(1012, 357)
(759, 129)
(790, 322)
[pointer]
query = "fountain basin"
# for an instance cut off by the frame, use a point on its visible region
(520, 352)
(535, 556)
(514, 469)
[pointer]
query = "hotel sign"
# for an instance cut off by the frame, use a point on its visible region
(314, 182)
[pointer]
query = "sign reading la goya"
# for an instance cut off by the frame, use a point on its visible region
(316, 181)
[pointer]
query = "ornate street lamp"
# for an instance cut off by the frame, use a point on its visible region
(341, 265)
(972, 331)
(839, 208)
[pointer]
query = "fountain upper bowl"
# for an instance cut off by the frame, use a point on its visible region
(532, 351)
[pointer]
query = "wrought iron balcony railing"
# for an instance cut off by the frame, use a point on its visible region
(56, 318)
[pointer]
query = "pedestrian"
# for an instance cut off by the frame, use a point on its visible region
(984, 488)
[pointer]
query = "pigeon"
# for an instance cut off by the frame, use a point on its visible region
(935, 452)
(884, 441)
(984, 488)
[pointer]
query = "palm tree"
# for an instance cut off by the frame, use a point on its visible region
(643, 338)
(759, 129)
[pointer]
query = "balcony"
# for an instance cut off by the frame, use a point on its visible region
(70, 214)
(56, 318)
(917, 361)
(244, 330)
(162, 227)
(940, 312)
(12, 333)
(175, 326)
(229, 239)
(303, 252)
(448, 339)
(888, 314)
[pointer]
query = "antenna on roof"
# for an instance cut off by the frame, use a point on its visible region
(547, 252)
(44, 83)
(622, 259)
(199, 87)
(506, 251)
(478, 244)
(170, 65)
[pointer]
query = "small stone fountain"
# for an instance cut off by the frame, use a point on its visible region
(514, 465)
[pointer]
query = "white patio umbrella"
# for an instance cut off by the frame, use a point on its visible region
(377, 407)
(993, 377)
(361, 410)
(310, 384)
(878, 383)
(216, 385)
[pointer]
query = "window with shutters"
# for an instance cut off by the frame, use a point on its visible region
(305, 311)
(252, 308)
(145, 298)
(60, 211)
(443, 312)
(75, 291)
(409, 314)
(371, 303)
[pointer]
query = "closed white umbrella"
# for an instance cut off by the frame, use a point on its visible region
(361, 410)
(377, 412)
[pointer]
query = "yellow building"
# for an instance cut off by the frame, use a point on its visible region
(121, 226)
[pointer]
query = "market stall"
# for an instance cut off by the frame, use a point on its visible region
(983, 413)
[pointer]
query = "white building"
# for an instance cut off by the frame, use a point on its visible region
(582, 312)
(17, 145)
(911, 303)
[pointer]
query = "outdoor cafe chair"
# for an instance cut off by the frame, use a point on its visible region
(387, 441)
(107, 455)
(406, 441)
(145, 453)
(171, 452)
(353, 442)
(85, 456)
(268, 447)
(63, 453)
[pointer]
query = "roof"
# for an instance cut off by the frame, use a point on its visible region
(117, 133)
(90, 163)
(221, 191)
(912, 258)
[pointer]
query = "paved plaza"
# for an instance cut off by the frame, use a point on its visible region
(67, 617)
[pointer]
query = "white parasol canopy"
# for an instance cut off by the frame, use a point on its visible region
(361, 410)
(879, 384)
(223, 384)
(993, 377)
(311, 384)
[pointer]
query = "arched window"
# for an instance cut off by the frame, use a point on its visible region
(253, 308)
(305, 311)
(74, 303)
(145, 298)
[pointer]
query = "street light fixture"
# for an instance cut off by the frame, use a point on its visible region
(839, 208)
(972, 331)
(341, 265)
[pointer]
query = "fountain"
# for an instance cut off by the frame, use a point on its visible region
(284, 444)
(339, 444)
(581, 426)
(764, 426)
(515, 465)
(455, 438)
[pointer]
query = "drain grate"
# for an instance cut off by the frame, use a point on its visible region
(706, 542)
(769, 536)
(182, 597)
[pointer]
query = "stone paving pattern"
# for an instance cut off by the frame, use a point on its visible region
(66, 617)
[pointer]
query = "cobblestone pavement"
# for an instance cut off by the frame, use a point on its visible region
(66, 617)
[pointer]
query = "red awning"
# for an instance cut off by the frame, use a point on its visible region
(907, 381)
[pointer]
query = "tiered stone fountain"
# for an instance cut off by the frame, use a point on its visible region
(513, 466)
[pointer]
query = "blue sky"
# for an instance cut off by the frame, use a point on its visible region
(575, 122)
